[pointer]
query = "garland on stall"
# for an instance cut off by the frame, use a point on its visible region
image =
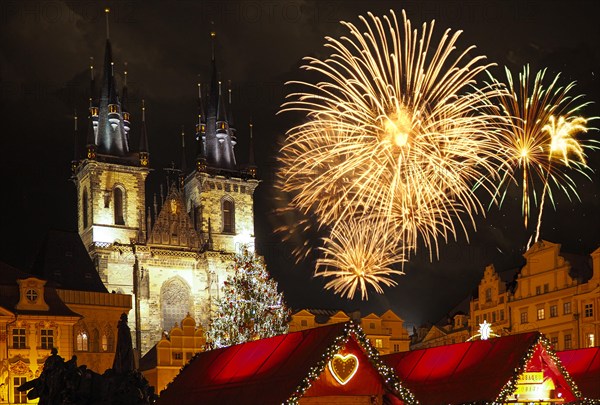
(511, 385)
(353, 330)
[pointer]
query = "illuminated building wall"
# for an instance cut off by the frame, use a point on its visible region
(35, 317)
(172, 255)
(163, 362)
(386, 332)
(550, 296)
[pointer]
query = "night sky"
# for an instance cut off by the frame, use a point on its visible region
(44, 78)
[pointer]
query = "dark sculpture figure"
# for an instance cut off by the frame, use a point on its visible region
(64, 383)
(124, 361)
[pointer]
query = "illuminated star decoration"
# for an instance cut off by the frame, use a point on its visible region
(485, 331)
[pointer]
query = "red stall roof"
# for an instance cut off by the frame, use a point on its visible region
(584, 367)
(270, 371)
(475, 371)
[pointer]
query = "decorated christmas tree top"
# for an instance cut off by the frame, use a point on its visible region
(250, 307)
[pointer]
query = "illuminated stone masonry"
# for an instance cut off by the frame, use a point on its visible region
(171, 255)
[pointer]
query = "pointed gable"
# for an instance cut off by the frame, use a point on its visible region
(287, 369)
(482, 371)
(173, 226)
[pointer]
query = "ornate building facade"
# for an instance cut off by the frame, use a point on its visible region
(555, 293)
(60, 303)
(386, 332)
(173, 259)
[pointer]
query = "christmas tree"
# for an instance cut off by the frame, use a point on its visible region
(250, 307)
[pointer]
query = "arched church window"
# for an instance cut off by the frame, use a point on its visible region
(84, 206)
(82, 341)
(175, 302)
(108, 340)
(228, 209)
(118, 206)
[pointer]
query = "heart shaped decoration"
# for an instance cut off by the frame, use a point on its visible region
(343, 367)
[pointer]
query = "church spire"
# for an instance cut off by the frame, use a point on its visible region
(183, 160)
(144, 150)
(76, 154)
(111, 137)
(216, 143)
(124, 100)
(251, 164)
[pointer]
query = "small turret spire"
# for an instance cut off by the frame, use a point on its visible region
(92, 82)
(251, 164)
(213, 34)
(144, 150)
(106, 12)
(75, 161)
(183, 160)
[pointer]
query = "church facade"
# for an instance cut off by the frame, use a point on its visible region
(174, 258)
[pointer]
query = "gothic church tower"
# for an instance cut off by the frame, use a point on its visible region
(110, 177)
(175, 257)
(220, 192)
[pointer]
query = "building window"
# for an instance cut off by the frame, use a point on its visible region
(303, 322)
(488, 295)
(396, 348)
(591, 340)
(546, 288)
(118, 206)
(553, 311)
(20, 397)
(493, 317)
(538, 290)
(84, 210)
(588, 310)
(108, 340)
(372, 325)
(501, 314)
(175, 302)
(31, 295)
(82, 342)
(228, 216)
(47, 339)
(19, 338)
(523, 317)
(177, 355)
(501, 300)
(378, 343)
(541, 314)
(554, 342)
(567, 308)
(568, 342)
(477, 319)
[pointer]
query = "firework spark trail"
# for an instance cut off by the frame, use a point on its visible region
(561, 133)
(394, 129)
(357, 254)
(535, 134)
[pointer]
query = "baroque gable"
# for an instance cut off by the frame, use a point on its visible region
(173, 227)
